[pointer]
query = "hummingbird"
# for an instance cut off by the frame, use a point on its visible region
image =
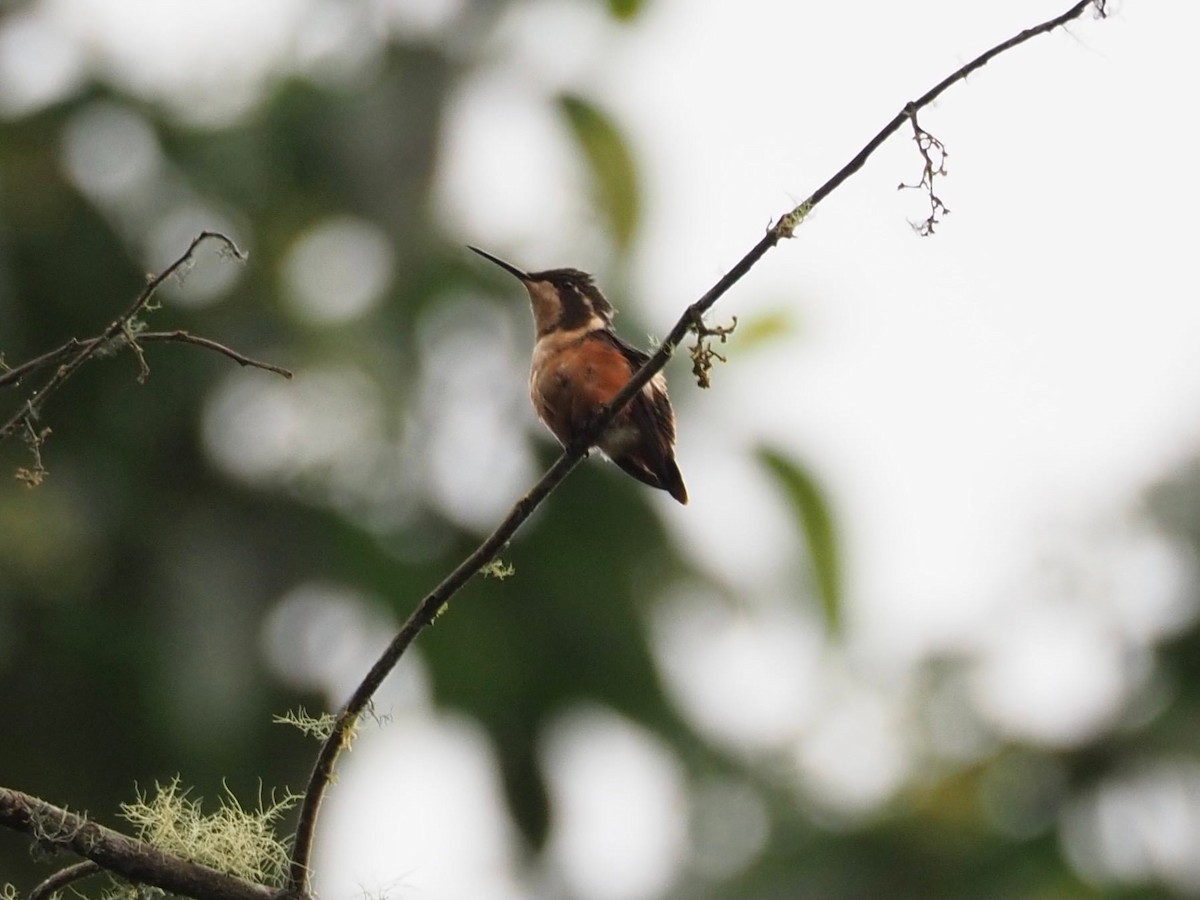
(579, 365)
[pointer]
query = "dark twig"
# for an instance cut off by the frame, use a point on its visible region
(429, 607)
(13, 376)
(702, 352)
(77, 353)
(64, 877)
(134, 860)
(130, 334)
(186, 337)
(933, 154)
(34, 437)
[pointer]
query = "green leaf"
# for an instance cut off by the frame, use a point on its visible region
(624, 9)
(614, 176)
(816, 524)
(761, 329)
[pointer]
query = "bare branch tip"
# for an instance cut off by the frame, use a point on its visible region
(186, 337)
(230, 247)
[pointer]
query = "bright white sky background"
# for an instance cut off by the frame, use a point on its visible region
(985, 407)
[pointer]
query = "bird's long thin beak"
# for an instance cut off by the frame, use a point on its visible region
(511, 269)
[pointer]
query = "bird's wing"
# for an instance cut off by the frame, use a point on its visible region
(650, 408)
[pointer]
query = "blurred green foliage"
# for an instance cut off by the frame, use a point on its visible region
(614, 176)
(816, 526)
(625, 9)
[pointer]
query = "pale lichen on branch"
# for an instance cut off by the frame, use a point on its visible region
(314, 726)
(791, 220)
(499, 569)
(231, 839)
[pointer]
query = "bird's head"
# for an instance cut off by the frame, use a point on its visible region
(562, 299)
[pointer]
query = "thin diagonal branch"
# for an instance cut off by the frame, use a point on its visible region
(427, 610)
(787, 224)
(14, 375)
(132, 859)
(429, 607)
